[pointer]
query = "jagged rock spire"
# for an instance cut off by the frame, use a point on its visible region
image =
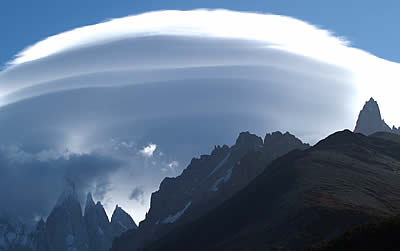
(369, 120)
(121, 221)
(69, 194)
(89, 203)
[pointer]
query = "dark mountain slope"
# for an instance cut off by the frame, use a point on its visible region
(387, 136)
(302, 198)
(372, 236)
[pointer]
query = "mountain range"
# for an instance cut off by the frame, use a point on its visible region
(298, 199)
(275, 193)
(206, 183)
(302, 198)
(67, 228)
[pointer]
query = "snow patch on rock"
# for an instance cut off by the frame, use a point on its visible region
(224, 179)
(220, 164)
(175, 217)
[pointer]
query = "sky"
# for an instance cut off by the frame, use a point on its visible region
(116, 100)
(369, 25)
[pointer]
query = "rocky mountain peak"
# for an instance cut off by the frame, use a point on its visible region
(121, 221)
(97, 225)
(219, 149)
(65, 226)
(41, 224)
(120, 215)
(369, 120)
(276, 137)
(68, 195)
(248, 140)
(277, 144)
(89, 203)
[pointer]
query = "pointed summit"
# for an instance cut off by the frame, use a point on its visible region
(39, 237)
(65, 226)
(89, 203)
(370, 121)
(68, 195)
(277, 144)
(97, 225)
(248, 141)
(121, 221)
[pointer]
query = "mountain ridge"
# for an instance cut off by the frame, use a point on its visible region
(206, 183)
(313, 193)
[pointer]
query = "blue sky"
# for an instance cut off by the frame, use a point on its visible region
(369, 25)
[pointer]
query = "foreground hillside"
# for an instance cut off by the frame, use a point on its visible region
(302, 198)
(372, 236)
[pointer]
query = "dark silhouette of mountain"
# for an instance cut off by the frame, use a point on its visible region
(370, 121)
(372, 236)
(206, 183)
(300, 199)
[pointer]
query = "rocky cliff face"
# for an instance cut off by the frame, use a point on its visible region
(370, 121)
(206, 183)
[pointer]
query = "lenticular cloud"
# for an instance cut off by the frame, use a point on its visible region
(123, 51)
(185, 80)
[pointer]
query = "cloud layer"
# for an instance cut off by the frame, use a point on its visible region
(184, 80)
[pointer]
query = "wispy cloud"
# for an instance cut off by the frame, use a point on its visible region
(148, 150)
(137, 194)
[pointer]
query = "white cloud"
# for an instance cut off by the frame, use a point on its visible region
(71, 59)
(203, 23)
(148, 150)
(173, 165)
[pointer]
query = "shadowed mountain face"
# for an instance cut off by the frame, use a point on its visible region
(206, 183)
(301, 198)
(370, 121)
(372, 236)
